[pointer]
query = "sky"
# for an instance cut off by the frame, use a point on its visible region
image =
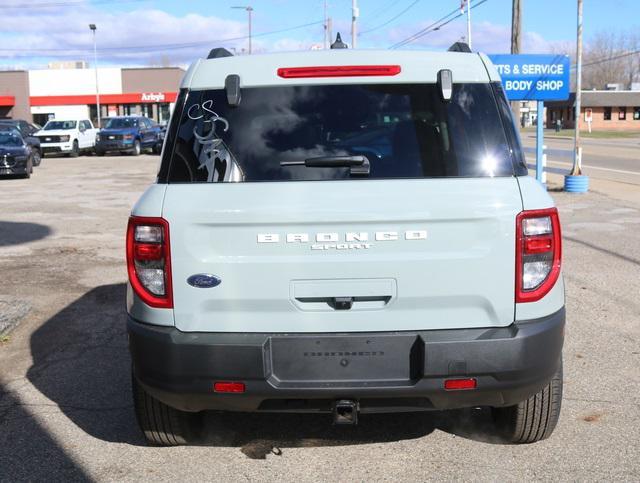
(169, 32)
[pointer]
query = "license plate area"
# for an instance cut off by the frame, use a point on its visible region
(351, 360)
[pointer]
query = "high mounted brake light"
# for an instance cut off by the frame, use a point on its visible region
(338, 71)
(538, 253)
(149, 260)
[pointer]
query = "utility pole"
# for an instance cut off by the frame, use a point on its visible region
(326, 27)
(249, 10)
(355, 13)
(468, 2)
(516, 28)
(93, 28)
(577, 159)
(330, 30)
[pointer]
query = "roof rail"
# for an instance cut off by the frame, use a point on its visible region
(218, 53)
(460, 47)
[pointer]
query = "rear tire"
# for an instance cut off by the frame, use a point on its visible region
(533, 419)
(163, 425)
(99, 152)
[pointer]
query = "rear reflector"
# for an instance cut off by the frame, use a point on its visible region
(224, 386)
(338, 71)
(460, 384)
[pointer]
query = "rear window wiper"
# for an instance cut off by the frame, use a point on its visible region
(359, 165)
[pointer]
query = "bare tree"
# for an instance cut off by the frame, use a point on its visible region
(163, 61)
(608, 58)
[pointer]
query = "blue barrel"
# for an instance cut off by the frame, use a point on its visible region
(576, 184)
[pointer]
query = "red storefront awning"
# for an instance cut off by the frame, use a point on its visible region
(7, 101)
(130, 98)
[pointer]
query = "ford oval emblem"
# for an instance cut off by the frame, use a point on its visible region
(203, 280)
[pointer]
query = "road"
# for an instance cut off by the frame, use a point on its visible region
(65, 405)
(610, 159)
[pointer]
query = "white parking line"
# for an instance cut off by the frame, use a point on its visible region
(621, 171)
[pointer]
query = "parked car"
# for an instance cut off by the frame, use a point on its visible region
(16, 156)
(70, 137)
(129, 134)
(348, 232)
(28, 132)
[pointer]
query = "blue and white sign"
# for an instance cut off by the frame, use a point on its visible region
(533, 77)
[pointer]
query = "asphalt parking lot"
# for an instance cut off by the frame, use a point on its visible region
(65, 407)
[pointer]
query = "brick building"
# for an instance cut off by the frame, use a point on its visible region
(609, 111)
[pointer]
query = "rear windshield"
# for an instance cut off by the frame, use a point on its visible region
(403, 131)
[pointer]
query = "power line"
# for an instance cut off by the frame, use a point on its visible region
(382, 9)
(437, 25)
(392, 18)
(609, 59)
(158, 47)
(424, 30)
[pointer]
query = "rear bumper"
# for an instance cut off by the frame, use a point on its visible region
(390, 371)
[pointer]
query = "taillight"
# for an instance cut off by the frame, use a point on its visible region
(538, 253)
(149, 260)
(338, 71)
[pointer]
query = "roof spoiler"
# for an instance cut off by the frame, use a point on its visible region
(460, 47)
(219, 52)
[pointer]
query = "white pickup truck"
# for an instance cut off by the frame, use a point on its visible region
(67, 137)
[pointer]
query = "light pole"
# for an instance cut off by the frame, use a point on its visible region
(249, 10)
(93, 28)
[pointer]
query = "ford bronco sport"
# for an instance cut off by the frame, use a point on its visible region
(344, 232)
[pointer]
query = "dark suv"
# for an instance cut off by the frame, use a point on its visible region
(129, 134)
(27, 131)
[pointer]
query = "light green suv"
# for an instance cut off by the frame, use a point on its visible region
(346, 232)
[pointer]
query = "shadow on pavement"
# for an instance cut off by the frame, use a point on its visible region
(603, 250)
(81, 362)
(16, 233)
(27, 451)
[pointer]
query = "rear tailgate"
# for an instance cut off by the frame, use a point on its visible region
(437, 254)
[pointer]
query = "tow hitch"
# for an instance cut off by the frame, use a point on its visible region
(345, 411)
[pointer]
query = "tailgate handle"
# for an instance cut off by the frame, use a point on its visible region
(345, 303)
(342, 303)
